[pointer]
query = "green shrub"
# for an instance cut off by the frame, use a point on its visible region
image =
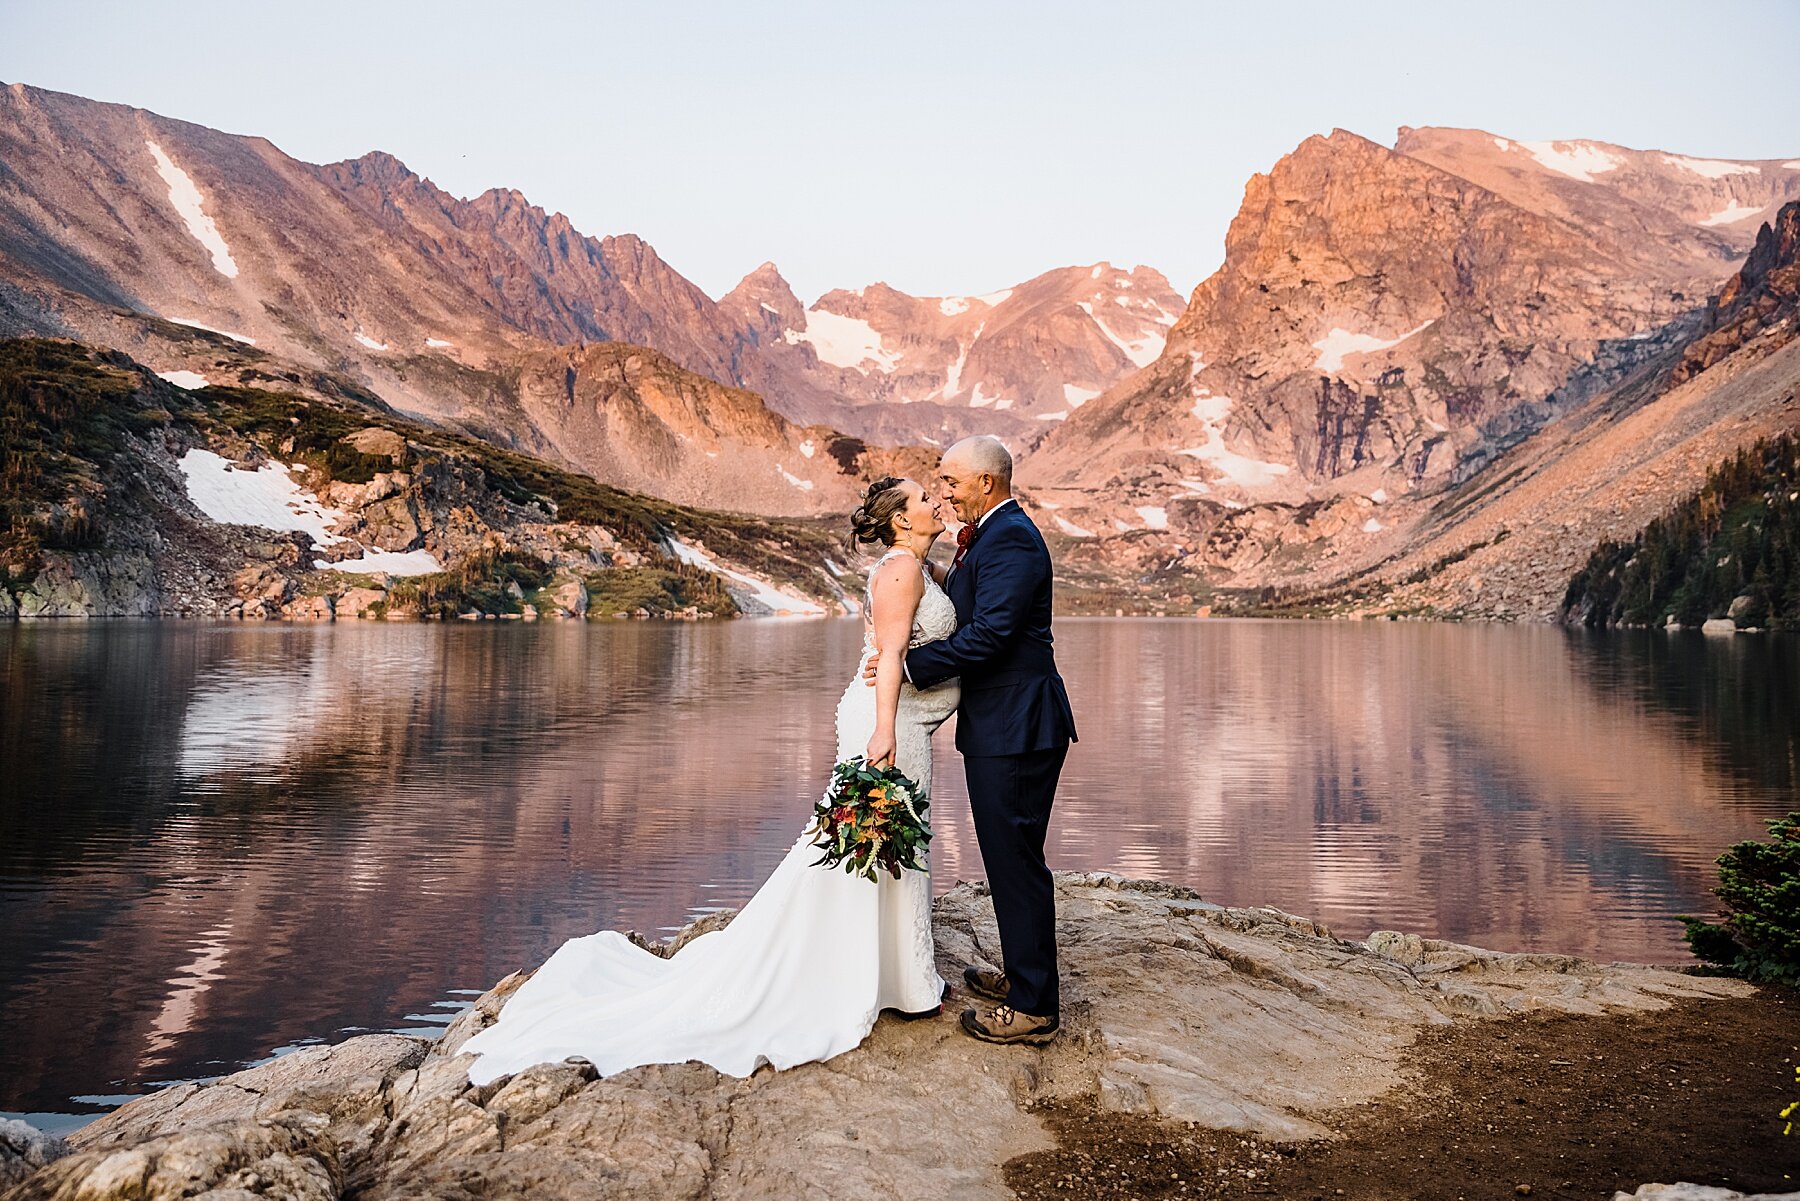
(657, 590)
(1759, 938)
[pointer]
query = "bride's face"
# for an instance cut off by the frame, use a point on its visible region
(923, 515)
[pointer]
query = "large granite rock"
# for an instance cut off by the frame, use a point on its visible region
(92, 584)
(24, 1149)
(1243, 1019)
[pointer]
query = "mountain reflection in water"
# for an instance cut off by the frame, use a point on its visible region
(218, 839)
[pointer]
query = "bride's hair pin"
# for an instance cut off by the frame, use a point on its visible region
(873, 520)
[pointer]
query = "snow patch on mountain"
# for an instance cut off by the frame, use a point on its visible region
(796, 481)
(763, 593)
(183, 379)
(953, 377)
(371, 343)
(1731, 214)
(1577, 160)
(844, 341)
(950, 306)
(1155, 517)
(186, 199)
(1340, 342)
(438, 344)
(1239, 469)
(1711, 168)
(993, 298)
(979, 401)
(1078, 396)
(223, 333)
(389, 562)
(1142, 351)
(267, 497)
(1070, 528)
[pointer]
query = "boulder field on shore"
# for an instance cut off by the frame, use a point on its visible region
(1250, 1020)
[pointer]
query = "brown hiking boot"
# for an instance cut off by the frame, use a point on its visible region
(987, 983)
(1006, 1025)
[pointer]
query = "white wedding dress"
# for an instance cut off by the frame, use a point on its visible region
(798, 975)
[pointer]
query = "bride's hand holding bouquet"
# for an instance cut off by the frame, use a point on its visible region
(871, 819)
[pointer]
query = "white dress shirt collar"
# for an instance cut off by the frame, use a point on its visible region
(982, 520)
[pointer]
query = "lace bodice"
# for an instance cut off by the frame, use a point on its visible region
(935, 617)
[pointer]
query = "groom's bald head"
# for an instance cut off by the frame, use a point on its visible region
(976, 475)
(983, 453)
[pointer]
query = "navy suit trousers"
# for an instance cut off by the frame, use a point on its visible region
(1010, 797)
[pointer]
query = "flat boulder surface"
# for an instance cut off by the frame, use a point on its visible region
(1177, 1013)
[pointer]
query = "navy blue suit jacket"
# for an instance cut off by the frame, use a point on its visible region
(1013, 700)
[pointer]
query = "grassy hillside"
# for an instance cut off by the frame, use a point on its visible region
(69, 415)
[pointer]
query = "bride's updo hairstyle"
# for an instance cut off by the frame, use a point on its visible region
(873, 520)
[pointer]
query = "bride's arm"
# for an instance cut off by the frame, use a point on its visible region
(894, 592)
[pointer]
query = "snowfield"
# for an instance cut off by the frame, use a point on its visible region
(1577, 160)
(186, 199)
(1711, 168)
(1340, 342)
(1731, 214)
(183, 379)
(843, 341)
(796, 481)
(1241, 470)
(781, 604)
(1142, 351)
(1155, 517)
(412, 562)
(267, 497)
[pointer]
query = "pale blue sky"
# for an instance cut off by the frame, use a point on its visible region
(943, 147)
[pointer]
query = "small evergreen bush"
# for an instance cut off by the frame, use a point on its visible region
(1759, 938)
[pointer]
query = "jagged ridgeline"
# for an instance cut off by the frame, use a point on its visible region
(1731, 550)
(96, 456)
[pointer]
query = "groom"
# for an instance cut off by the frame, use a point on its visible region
(1013, 728)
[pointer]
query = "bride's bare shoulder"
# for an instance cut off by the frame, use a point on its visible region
(897, 578)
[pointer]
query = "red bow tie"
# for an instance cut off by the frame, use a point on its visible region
(965, 538)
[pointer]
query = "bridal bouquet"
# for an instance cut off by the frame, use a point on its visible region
(870, 818)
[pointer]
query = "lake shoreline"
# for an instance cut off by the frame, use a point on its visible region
(1176, 1010)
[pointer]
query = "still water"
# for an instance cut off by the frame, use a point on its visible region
(221, 841)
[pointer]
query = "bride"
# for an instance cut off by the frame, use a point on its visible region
(802, 970)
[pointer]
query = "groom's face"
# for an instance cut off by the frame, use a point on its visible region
(964, 488)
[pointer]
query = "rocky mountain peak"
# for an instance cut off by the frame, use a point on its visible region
(1756, 306)
(764, 303)
(377, 168)
(1382, 324)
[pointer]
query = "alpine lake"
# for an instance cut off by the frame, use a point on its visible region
(222, 841)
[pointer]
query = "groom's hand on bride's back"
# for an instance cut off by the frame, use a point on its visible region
(869, 670)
